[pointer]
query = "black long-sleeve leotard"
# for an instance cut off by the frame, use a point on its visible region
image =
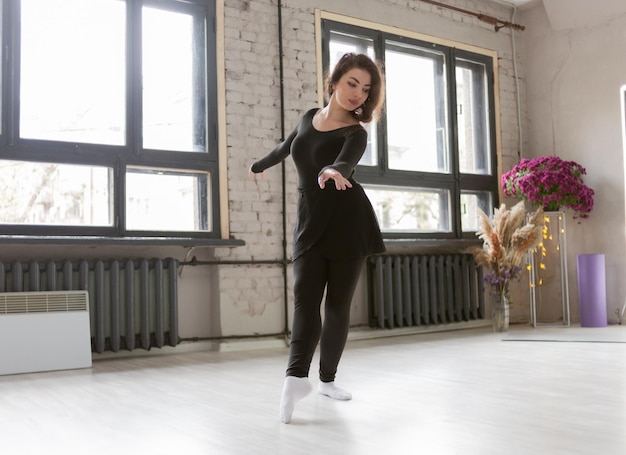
(338, 224)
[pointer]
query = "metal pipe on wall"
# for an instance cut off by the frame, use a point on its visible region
(283, 169)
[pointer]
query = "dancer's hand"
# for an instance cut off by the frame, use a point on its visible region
(252, 175)
(341, 183)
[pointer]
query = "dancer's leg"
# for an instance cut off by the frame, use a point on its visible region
(309, 282)
(342, 281)
(310, 271)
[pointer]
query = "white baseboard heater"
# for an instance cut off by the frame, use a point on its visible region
(133, 303)
(44, 331)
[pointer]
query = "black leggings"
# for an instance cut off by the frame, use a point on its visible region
(312, 273)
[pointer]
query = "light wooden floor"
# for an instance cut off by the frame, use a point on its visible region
(464, 393)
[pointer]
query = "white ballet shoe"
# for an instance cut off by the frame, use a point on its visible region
(331, 390)
(294, 390)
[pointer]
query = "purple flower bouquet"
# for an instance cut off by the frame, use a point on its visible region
(551, 183)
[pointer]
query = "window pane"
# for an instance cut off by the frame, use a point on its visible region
(411, 209)
(160, 200)
(72, 80)
(341, 44)
(471, 201)
(174, 91)
(416, 109)
(55, 194)
(472, 118)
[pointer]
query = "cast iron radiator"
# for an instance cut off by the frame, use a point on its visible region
(426, 289)
(132, 303)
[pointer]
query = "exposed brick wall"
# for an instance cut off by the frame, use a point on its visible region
(252, 295)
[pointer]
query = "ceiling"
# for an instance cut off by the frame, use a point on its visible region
(518, 3)
(570, 14)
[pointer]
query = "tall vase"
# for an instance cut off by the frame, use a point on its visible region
(500, 313)
(549, 294)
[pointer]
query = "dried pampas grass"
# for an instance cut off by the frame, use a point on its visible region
(507, 237)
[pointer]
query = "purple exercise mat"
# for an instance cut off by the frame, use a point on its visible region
(592, 290)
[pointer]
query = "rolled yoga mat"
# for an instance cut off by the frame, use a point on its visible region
(592, 290)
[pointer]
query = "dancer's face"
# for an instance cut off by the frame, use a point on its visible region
(352, 89)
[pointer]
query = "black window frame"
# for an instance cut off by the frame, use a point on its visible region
(456, 182)
(122, 157)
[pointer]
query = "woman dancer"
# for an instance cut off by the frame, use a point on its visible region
(336, 228)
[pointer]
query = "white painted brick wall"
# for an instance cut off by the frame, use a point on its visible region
(251, 296)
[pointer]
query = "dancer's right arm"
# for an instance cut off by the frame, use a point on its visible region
(280, 152)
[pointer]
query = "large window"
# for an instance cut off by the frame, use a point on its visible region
(108, 118)
(430, 163)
